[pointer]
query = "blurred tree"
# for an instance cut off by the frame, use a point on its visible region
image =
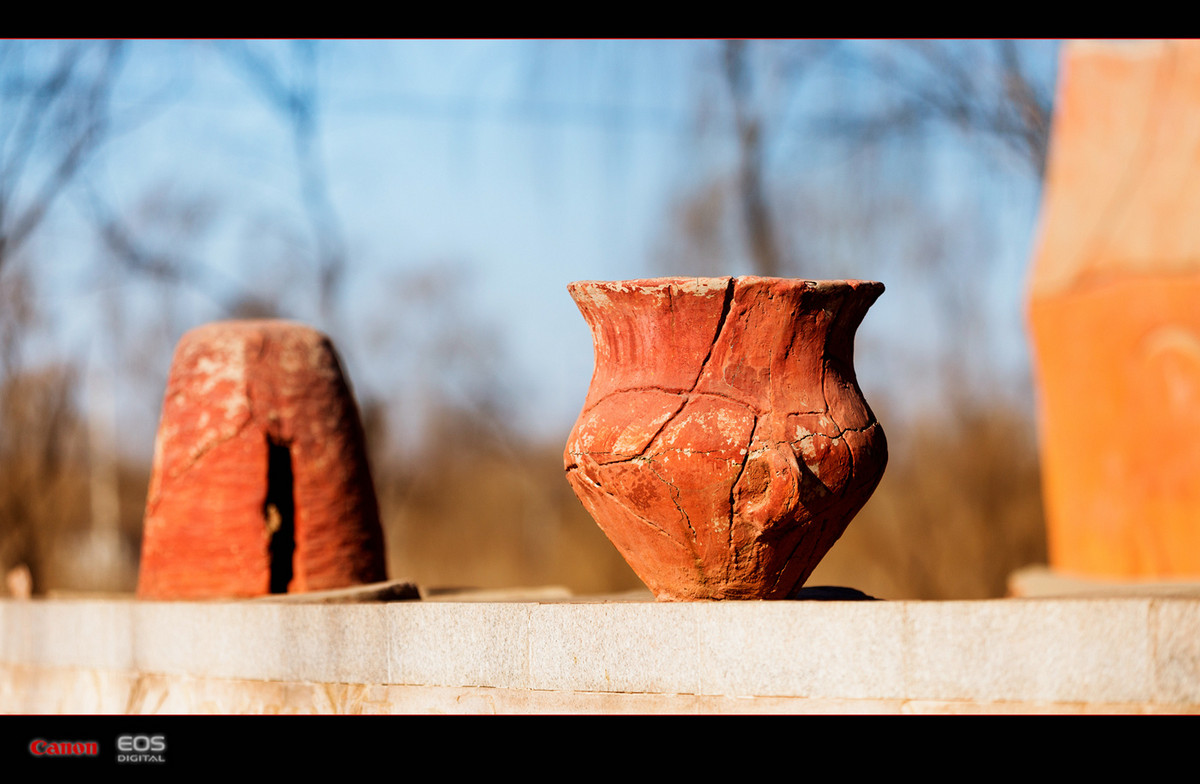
(291, 90)
(54, 117)
(43, 467)
(872, 100)
(56, 114)
(760, 229)
(960, 505)
(761, 199)
(999, 89)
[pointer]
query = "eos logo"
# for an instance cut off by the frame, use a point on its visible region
(141, 748)
(64, 748)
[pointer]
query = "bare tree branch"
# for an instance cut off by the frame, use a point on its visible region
(132, 248)
(979, 87)
(760, 230)
(296, 101)
(59, 119)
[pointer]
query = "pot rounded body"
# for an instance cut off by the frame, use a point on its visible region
(724, 444)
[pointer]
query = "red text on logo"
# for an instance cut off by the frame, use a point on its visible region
(64, 748)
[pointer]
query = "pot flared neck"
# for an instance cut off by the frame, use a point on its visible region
(749, 337)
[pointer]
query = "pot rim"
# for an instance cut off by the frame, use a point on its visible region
(709, 283)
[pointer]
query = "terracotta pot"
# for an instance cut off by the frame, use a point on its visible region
(724, 444)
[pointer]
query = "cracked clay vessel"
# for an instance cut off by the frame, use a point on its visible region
(724, 444)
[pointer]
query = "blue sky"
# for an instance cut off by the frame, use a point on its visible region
(518, 167)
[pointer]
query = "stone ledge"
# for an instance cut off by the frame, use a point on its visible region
(1076, 655)
(27, 690)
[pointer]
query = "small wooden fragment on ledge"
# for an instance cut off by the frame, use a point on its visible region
(389, 591)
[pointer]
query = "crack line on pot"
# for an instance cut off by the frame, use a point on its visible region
(682, 450)
(682, 391)
(726, 306)
(634, 513)
(817, 542)
(731, 565)
(800, 541)
(675, 500)
(687, 395)
(842, 431)
(650, 441)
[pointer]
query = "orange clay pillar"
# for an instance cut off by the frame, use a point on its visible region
(1114, 311)
(260, 481)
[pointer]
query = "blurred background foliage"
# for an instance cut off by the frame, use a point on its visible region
(471, 494)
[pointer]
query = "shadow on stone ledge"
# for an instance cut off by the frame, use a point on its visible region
(831, 593)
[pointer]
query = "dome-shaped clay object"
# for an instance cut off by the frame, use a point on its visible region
(260, 481)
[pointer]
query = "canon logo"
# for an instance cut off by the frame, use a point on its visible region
(64, 748)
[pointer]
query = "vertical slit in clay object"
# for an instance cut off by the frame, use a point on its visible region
(279, 511)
